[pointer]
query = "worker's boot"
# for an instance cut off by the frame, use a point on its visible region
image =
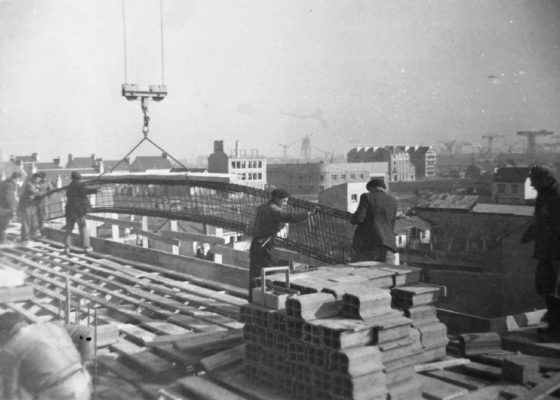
(552, 332)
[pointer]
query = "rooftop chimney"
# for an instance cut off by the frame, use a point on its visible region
(35, 157)
(164, 155)
(237, 148)
(56, 161)
(218, 146)
(70, 157)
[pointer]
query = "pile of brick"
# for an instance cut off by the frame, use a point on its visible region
(12, 285)
(341, 339)
(429, 334)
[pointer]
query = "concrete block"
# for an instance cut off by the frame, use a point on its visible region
(277, 321)
(341, 333)
(365, 303)
(311, 334)
(318, 357)
(361, 387)
(321, 380)
(356, 361)
(410, 296)
(297, 353)
(311, 306)
(294, 328)
(519, 368)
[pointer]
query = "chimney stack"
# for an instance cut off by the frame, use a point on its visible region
(218, 146)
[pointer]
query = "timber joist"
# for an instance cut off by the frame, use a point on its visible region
(144, 307)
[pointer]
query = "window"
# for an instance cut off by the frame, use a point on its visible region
(260, 164)
(354, 197)
(352, 176)
(515, 188)
(238, 163)
(250, 177)
(361, 176)
(334, 177)
(233, 164)
(250, 164)
(243, 177)
(343, 176)
(501, 188)
(243, 164)
(321, 177)
(260, 174)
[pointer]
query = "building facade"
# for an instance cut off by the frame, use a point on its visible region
(511, 185)
(250, 168)
(311, 178)
(399, 165)
(424, 160)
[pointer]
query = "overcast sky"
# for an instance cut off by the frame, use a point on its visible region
(268, 72)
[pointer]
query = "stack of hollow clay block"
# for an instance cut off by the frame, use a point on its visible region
(430, 335)
(339, 339)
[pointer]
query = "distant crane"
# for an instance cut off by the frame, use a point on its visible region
(490, 138)
(511, 146)
(531, 139)
(285, 148)
(306, 147)
(328, 154)
(448, 145)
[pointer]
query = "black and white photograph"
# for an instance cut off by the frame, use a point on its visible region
(279, 199)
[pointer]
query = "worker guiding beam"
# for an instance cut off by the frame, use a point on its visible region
(270, 219)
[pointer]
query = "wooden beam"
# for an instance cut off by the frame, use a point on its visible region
(193, 237)
(158, 238)
(114, 221)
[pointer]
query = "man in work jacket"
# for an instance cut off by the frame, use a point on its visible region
(77, 206)
(374, 238)
(545, 232)
(8, 202)
(41, 360)
(26, 208)
(271, 218)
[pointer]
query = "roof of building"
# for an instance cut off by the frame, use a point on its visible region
(108, 165)
(406, 223)
(46, 165)
(8, 167)
(31, 158)
(511, 174)
(504, 209)
(80, 162)
(143, 163)
(449, 201)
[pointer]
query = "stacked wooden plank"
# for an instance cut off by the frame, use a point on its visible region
(429, 334)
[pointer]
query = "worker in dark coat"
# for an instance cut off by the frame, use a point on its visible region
(271, 219)
(8, 202)
(374, 238)
(40, 360)
(545, 232)
(26, 208)
(77, 206)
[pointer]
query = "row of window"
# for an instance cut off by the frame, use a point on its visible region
(251, 176)
(334, 177)
(502, 188)
(248, 164)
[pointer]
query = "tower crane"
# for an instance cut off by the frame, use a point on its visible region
(285, 148)
(490, 138)
(532, 138)
(448, 145)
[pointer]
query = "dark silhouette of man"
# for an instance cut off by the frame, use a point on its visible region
(8, 202)
(374, 237)
(77, 206)
(545, 233)
(271, 218)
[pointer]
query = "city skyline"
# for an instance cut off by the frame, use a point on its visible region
(349, 73)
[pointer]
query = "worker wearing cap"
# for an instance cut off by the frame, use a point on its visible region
(271, 218)
(8, 202)
(374, 238)
(545, 232)
(77, 206)
(40, 360)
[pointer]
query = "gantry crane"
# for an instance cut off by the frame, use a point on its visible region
(490, 138)
(532, 138)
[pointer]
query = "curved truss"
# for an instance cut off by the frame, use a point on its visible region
(326, 236)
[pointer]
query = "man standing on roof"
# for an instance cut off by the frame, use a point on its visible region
(271, 218)
(545, 232)
(77, 206)
(41, 202)
(8, 202)
(41, 360)
(26, 208)
(374, 238)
